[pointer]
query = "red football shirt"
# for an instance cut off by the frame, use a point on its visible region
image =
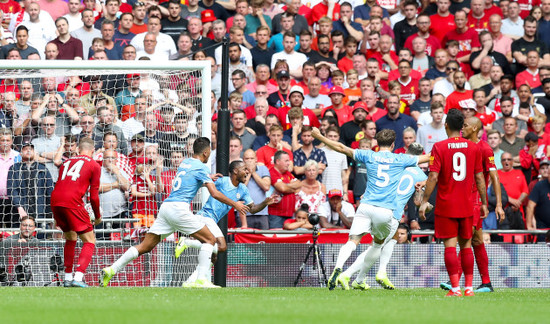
(440, 26)
(488, 163)
(514, 182)
(460, 100)
(310, 119)
(76, 175)
(266, 153)
(488, 117)
(409, 90)
(285, 207)
(345, 64)
(525, 7)
(466, 41)
(320, 10)
(344, 114)
(394, 75)
(457, 160)
(382, 65)
(480, 24)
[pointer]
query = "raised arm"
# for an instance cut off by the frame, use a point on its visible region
(337, 146)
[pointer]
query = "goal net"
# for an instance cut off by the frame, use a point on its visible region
(143, 117)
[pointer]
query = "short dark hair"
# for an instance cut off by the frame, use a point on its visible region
(506, 98)
(455, 119)
(109, 134)
(508, 77)
(200, 145)
(278, 155)
(234, 165)
(385, 137)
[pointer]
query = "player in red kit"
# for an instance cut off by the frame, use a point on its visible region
(76, 175)
(454, 165)
(471, 128)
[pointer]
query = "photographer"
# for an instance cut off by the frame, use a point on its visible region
(26, 231)
(336, 213)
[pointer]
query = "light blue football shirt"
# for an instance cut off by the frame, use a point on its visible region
(192, 174)
(384, 171)
(215, 209)
(406, 188)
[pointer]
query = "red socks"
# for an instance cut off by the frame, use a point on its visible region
(482, 261)
(451, 263)
(68, 255)
(467, 260)
(85, 256)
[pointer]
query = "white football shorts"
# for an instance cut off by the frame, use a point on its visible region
(212, 226)
(176, 217)
(383, 224)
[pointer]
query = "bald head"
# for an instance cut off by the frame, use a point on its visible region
(475, 122)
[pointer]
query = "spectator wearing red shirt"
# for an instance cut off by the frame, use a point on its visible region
(346, 63)
(468, 40)
(329, 8)
(404, 54)
(460, 98)
(423, 23)
(514, 182)
(285, 186)
(387, 59)
(344, 112)
(525, 7)
(531, 75)
(486, 115)
(478, 19)
(443, 21)
(531, 155)
(267, 152)
(296, 101)
(409, 85)
(375, 113)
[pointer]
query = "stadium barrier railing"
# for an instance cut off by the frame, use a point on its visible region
(267, 265)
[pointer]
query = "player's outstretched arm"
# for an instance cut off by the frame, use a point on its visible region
(337, 146)
(498, 194)
(238, 205)
(424, 158)
(482, 190)
(256, 208)
(430, 186)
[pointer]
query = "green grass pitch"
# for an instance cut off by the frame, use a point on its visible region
(268, 305)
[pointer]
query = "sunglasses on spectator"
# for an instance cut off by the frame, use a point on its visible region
(451, 69)
(48, 125)
(506, 159)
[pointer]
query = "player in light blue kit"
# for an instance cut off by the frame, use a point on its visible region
(213, 211)
(175, 215)
(375, 213)
(412, 181)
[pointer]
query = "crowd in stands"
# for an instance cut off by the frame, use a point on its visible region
(350, 68)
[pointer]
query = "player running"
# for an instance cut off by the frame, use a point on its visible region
(213, 211)
(175, 215)
(375, 213)
(454, 165)
(77, 174)
(412, 181)
(471, 128)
